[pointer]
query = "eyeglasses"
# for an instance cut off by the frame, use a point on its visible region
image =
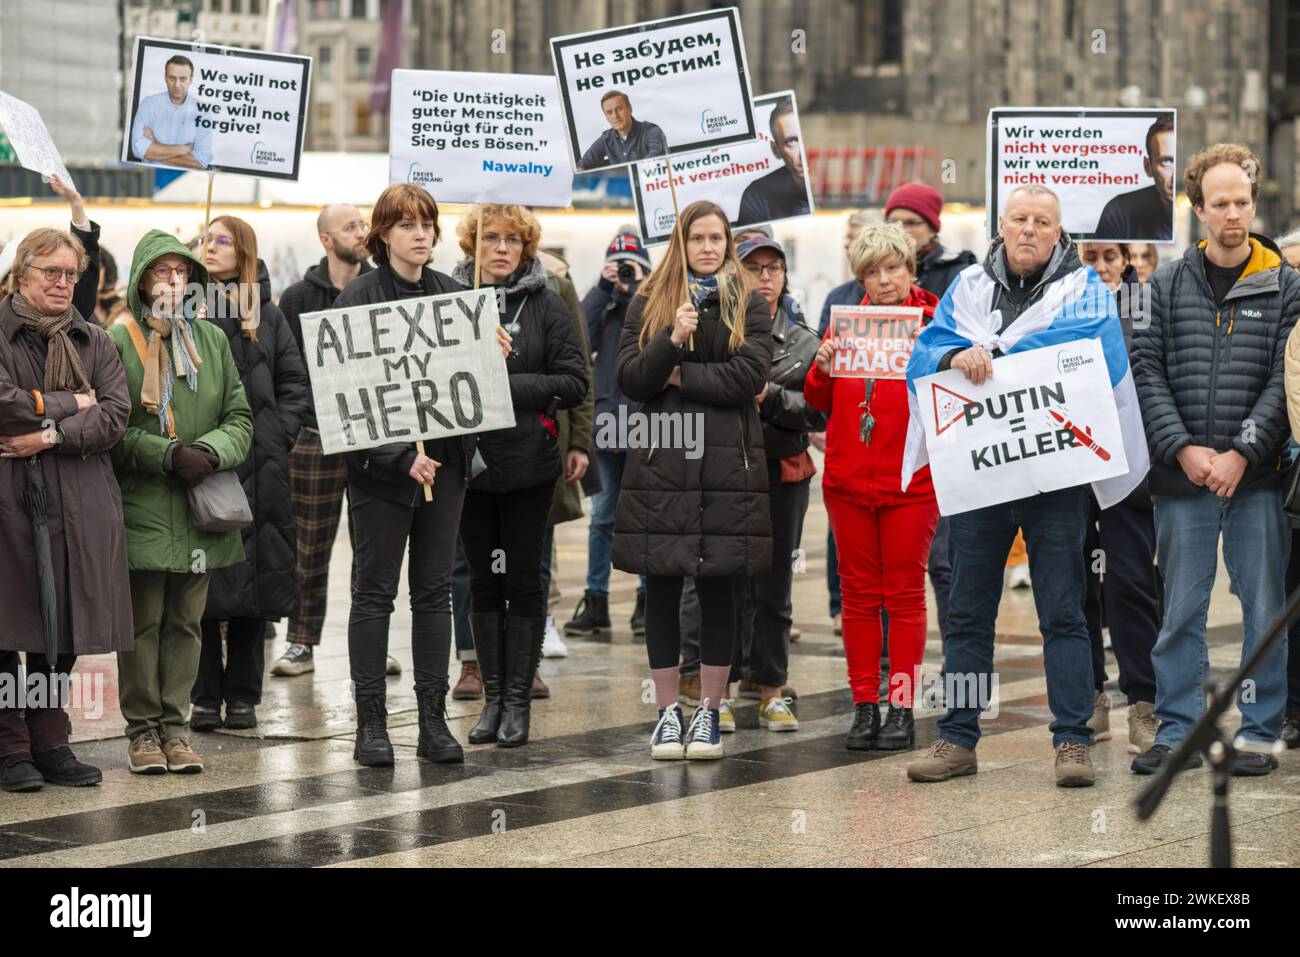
(909, 223)
(163, 272)
(492, 239)
(222, 241)
(772, 269)
(52, 274)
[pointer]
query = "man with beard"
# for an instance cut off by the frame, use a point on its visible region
(1209, 373)
(784, 191)
(317, 483)
(1145, 213)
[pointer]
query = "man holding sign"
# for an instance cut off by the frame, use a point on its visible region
(1030, 293)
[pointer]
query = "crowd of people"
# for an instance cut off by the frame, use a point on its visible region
(128, 408)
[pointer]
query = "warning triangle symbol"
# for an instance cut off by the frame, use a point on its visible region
(948, 407)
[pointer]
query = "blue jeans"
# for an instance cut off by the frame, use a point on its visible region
(1054, 524)
(1256, 540)
(600, 534)
(833, 574)
(461, 604)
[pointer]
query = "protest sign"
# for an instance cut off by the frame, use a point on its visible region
(755, 182)
(405, 371)
(479, 137)
(215, 108)
(655, 88)
(873, 342)
(1046, 420)
(30, 139)
(1113, 170)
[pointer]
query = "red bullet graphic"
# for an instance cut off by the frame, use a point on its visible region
(1085, 439)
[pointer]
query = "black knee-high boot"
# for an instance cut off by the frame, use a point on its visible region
(523, 648)
(488, 630)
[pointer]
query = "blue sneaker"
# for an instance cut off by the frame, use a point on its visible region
(703, 737)
(666, 742)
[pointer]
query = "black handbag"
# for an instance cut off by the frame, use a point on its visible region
(1291, 491)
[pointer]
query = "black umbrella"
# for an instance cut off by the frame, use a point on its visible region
(37, 502)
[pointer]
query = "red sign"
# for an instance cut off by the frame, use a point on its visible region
(873, 342)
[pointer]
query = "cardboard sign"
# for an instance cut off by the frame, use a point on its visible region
(479, 137)
(1046, 420)
(1113, 170)
(30, 139)
(756, 182)
(216, 108)
(412, 369)
(873, 342)
(656, 88)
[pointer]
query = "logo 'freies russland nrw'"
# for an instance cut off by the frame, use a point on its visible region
(421, 176)
(712, 123)
(261, 157)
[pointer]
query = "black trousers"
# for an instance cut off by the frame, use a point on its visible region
(239, 678)
(663, 633)
(1293, 636)
(767, 655)
(503, 534)
(380, 531)
(1129, 598)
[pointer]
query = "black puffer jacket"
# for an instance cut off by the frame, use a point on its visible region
(385, 471)
(546, 367)
(313, 293)
(1213, 376)
(265, 584)
(936, 270)
(706, 515)
(787, 416)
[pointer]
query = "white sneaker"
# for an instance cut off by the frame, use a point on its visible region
(552, 646)
(393, 666)
(1018, 576)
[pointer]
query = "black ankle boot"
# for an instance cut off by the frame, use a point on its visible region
(866, 727)
(489, 641)
(591, 618)
(898, 733)
(523, 648)
(373, 749)
(436, 741)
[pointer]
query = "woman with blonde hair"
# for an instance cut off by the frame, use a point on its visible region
(696, 350)
(507, 505)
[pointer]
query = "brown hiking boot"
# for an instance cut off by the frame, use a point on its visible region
(1142, 727)
(1074, 766)
(1100, 722)
(181, 758)
(470, 685)
(688, 690)
(145, 756)
(944, 760)
(539, 687)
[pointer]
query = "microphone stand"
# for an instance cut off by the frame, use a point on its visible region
(1217, 746)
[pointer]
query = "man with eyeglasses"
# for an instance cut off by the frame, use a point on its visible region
(317, 483)
(165, 130)
(783, 192)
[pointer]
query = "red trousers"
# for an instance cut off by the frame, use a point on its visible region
(882, 556)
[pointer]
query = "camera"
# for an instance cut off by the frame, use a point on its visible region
(627, 273)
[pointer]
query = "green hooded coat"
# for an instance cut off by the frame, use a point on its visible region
(155, 507)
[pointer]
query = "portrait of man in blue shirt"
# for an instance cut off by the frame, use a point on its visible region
(165, 129)
(626, 141)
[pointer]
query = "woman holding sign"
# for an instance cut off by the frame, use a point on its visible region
(387, 506)
(503, 526)
(882, 534)
(696, 351)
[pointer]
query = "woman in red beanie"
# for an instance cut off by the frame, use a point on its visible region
(882, 533)
(917, 207)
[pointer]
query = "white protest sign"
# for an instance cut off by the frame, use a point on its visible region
(683, 85)
(1046, 420)
(755, 182)
(406, 370)
(216, 108)
(1113, 170)
(479, 137)
(30, 139)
